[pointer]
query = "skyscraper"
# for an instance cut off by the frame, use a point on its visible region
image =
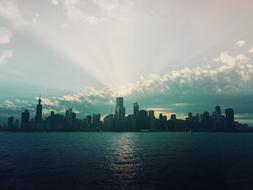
(135, 116)
(108, 122)
(88, 121)
(119, 114)
(25, 119)
(151, 120)
(96, 122)
(143, 119)
(136, 109)
(206, 121)
(68, 117)
(189, 120)
(11, 122)
(218, 110)
(38, 116)
(16, 125)
(229, 120)
(218, 119)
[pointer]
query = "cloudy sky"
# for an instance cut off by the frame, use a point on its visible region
(172, 56)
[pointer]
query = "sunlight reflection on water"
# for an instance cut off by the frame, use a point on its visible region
(124, 161)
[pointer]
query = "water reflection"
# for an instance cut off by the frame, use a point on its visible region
(125, 161)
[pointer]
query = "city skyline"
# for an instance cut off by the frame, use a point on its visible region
(35, 111)
(138, 120)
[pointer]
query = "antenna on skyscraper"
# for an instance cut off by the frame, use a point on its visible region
(39, 99)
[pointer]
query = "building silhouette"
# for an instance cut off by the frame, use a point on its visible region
(38, 116)
(96, 123)
(108, 122)
(119, 114)
(143, 120)
(11, 122)
(229, 120)
(206, 120)
(138, 120)
(25, 119)
(151, 120)
(16, 125)
(135, 117)
(218, 119)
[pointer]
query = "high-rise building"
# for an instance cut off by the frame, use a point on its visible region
(38, 116)
(189, 120)
(135, 116)
(11, 122)
(88, 121)
(96, 121)
(162, 122)
(16, 125)
(25, 119)
(196, 121)
(68, 116)
(173, 117)
(218, 110)
(143, 119)
(172, 123)
(229, 120)
(73, 117)
(218, 119)
(206, 120)
(52, 119)
(136, 109)
(151, 120)
(119, 114)
(130, 123)
(108, 122)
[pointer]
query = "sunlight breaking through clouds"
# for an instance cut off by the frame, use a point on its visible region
(173, 92)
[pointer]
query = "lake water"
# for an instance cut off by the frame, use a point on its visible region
(126, 161)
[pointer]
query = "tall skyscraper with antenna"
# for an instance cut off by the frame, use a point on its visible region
(38, 116)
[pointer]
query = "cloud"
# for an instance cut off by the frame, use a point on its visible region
(229, 82)
(251, 50)
(187, 86)
(9, 10)
(50, 101)
(76, 14)
(5, 56)
(240, 43)
(97, 11)
(5, 35)
(54, 2)
(108, 5)
(9, 105)
(226, 59)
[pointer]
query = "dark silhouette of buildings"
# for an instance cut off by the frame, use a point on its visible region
(138, 120)
(96, 123)
(108, 122)
(218, 119)
(142, 120)
(151, 120)
(25, 119)
(229, 120)
(11, 122)
(38, 116)
(119, 114)
(206, 120)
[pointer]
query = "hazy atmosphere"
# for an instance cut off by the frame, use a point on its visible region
(172, 56)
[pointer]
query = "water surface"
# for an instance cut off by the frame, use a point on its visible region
(126, 161)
